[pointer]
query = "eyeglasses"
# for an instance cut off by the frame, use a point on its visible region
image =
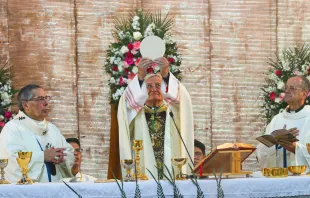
(40, 98)
(292, 88)
(150, 86)
(78, 150)
(198, 154)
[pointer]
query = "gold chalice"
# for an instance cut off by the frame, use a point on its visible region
(179, 162)
(297, 170)
(3, 164)
(137, 147)
(128, 165)
(23, 161)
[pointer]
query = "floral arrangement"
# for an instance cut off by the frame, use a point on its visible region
(6, 94)
(291, 62)
(124, 55)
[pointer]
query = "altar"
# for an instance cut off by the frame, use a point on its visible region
(292, 186)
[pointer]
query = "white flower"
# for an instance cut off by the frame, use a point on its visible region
(137, 36)
(112, 80)
(112, 59)
(280, 85)
(286, 66)
(1, 117)
(135, 23)
(277, 100)
(124, 49)
(121, 34)
(115, 96)
(149, 30)
(136, 18)
(156, 69)
(120, 67)
(173, 68)
(168, 39)
(134, 70)
(274, 77)
(4, 95)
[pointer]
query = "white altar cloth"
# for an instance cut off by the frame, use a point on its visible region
(233, 188)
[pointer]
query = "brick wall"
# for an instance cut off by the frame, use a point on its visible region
(225, 46)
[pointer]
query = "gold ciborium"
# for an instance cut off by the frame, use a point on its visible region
(3, 164)
(297, 170)
(275, 172)
(179, 162)
(23, 161)
(128, 165)
(137, 147)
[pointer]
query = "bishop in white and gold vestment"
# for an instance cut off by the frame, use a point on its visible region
(154, 125)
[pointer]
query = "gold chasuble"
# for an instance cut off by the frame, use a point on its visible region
(156, 120)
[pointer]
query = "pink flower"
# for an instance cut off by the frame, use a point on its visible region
(2, 124)
(121, 81)
(133, 51)
(131, 76)
(281, 96)
(137, 61)
(129, 58)
(136, 45)
(130, 46)
(297, 73)
(154, 65)
(125, 64)
(272, 96)
(278, 72)
(8, 115)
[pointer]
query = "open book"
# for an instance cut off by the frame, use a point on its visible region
(269, 140)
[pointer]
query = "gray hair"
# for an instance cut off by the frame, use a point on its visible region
(148, 76)
(305, 83)
(26, 93)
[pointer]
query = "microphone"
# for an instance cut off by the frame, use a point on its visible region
(171, 114)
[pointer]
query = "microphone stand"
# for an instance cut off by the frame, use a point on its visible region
(171, 114)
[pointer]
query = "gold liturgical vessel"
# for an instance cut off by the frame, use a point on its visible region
(137, 147)
(23, 161)
(179, 162)
(3, 164)
(128, 165)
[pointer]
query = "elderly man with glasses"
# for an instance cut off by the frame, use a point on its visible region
(293, 122)
(144, 113)
(52, 157)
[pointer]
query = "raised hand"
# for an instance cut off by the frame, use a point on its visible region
(142, 67)
(163, 64)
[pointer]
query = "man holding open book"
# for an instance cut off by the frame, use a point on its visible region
(290, 129)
